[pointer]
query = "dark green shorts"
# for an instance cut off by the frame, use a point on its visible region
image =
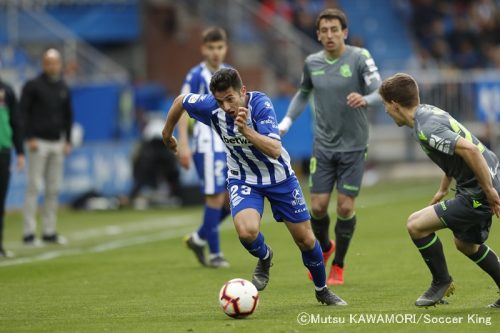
(344, 168)
(468, 218)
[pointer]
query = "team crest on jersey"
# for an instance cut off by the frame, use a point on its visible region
(298, 199)
(268, 105)
(193, 98)
(345, 70)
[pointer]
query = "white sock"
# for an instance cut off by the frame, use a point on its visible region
(267, 254)
(320, 288)
(215, 255)
(197, 240)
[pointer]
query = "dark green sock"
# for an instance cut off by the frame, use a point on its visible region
(488, 261)
(431, 249)
(344, 230)
(321, 228)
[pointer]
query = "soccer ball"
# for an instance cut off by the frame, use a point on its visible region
(238, 298)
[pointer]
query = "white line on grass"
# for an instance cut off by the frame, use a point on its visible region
(114, 230)
(177, 229)
(161, 223)
(113, 245)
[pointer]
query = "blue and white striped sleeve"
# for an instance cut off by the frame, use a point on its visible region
(200, 107)
(264, 119)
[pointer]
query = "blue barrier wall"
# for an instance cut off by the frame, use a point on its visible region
(96, 108)
(104, 167)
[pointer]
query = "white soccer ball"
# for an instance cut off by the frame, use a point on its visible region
(238, 298)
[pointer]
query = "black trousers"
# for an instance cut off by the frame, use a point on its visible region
(4, 184)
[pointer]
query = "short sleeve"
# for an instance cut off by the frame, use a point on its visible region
(264, 118)
(200, 107)
(439, 137)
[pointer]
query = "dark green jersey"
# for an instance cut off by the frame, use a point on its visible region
(438, 132)
(10, 125)
(338, 127)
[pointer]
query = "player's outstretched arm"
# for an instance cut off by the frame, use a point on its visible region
(475, 160)
(184, 150)
(173, 116)
(443, 190)
(265, 144)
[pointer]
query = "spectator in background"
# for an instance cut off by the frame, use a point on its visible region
(10, 135)
(471, 31)
(47, 118)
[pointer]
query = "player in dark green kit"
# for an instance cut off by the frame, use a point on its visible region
(475, 169)
(342, 81)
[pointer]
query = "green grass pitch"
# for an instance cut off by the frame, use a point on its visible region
(128, 271)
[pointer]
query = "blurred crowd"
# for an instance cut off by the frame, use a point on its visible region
(455, 33)
(460, 34)
(300, 13)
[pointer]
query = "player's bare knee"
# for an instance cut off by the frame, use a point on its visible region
(319, 210)
(246, 231)
(248, 235)
(306, 243)
(345, 211)
(413, 227)
(465, 247)
(309, 241)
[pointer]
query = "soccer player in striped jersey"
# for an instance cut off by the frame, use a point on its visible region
(342, 80)
(475, 169)
(258, 168)
(208, 153)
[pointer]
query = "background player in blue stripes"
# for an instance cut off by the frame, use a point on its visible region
(208, 153)
(475, 169)
(342, 81)
(258, 167)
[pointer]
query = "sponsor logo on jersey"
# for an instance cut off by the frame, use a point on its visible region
(345, 70)
(300, 210)
(318, 72)
(441, 144)
(370, 63)
(193, 98)
(493, 171)
(235, 140)
(269, 121)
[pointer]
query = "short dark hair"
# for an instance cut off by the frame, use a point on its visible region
(213, 34)
(400, 88)
(332, 14)
(224, 79)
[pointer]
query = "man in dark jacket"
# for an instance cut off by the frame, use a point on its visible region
(47, 114)
(10, 135)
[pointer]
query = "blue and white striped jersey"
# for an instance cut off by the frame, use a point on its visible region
(198, 81)
(244, 161)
